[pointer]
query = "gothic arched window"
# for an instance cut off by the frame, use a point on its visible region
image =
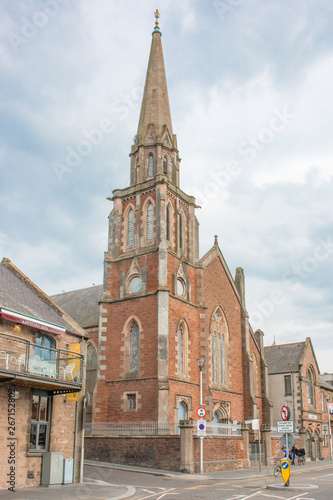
(150, 165)
(134, 348)
(219, 341)
(180, 349)
(180, 231)
(310, 387)
(165, 165)
(150, 221)
(183, 348)
(130, 227)
(168, 223)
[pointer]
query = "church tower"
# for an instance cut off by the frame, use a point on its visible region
(163, 308)
(151, 270)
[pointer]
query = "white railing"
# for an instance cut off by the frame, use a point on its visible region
(230, 430)
(156, 429)
(131, 428)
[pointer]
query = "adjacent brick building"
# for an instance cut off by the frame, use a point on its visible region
(294, 381)
(41, 380)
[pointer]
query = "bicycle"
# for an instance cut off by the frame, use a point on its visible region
(301, 460)
(277, 470)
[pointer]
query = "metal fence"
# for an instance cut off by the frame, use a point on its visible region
(156, 429)
(131, 428)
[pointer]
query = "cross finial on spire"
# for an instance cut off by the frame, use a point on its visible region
(157, 15)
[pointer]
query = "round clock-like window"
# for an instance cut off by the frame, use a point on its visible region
(180, 287)
(135, 284)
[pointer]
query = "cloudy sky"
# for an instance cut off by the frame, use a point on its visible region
(250, 87)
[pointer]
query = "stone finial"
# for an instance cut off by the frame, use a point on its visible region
(216, 242)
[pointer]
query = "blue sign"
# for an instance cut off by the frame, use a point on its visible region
(202, 427)
(284, 465)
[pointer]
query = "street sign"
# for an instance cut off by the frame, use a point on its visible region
(325, 429)
(285, 470)
(291, 440)
(201, 412)
(285, 426)
(330, 407)
(285, 413)
(201, 427)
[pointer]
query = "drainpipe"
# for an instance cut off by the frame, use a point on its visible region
(75, 437)
(82, 441)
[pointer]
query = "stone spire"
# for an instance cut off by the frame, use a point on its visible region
(155, 108)
(154, 152)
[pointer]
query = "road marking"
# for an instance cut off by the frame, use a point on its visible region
(166, 492)
(319, 477)
(271, 496)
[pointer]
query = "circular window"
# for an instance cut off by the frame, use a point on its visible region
(135, 284)
(180, 287)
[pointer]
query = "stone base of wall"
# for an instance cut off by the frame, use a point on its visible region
(155, 452)
(165, 452)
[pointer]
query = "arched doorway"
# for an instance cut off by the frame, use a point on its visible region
(216, 421)
(181, 413)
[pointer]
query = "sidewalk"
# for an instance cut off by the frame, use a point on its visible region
(105, 491)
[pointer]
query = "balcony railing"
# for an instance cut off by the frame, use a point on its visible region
(19, 356)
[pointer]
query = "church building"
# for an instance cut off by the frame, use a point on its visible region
(163, 307)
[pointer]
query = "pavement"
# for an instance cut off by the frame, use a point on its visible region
(100, 490)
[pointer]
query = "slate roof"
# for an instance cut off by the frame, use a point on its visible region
(19, 294)
(81, 305)
(284, 358)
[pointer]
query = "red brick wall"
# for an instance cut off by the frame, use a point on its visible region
(155, 452)
(220, 454)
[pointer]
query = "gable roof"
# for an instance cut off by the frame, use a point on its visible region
(284, 358)
(82, 305)
(20, 295)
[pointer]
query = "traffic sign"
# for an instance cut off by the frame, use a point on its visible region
(285, 426)
(285, 470)
(288, 437)
(201, 427)
(201, 412)
(285, 413)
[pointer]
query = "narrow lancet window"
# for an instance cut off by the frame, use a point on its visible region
(168, 223)
(150, 221)
(150, 166)
(134, 347)
(165, 165)
(130, 227)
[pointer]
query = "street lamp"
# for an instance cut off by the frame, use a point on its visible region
(329, 423)
(201, 364)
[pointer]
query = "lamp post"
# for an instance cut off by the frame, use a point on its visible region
(329, 423)
(201, 364)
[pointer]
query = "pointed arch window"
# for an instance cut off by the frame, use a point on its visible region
(183, 341)
(310, 387)
(134, 347)
(180, 349)
(221, 359)
(150, 221)
(219, 340)
(130, 227)
(180, 231)
(214, 357)
(168, 223)
(165, 165)
(150, 165)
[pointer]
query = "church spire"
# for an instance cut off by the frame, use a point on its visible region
(155, 108)
(154, 154)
